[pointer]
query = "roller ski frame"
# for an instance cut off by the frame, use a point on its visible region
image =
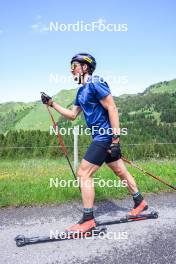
(129, 218)
(22, 240)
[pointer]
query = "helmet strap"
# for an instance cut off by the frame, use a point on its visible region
(81, 76)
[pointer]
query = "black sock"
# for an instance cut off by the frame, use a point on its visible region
(137, 198)
(87, 215)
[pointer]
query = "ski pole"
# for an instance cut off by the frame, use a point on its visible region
(62, 144)
(148, 173)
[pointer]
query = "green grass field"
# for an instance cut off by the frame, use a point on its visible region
(27, 182)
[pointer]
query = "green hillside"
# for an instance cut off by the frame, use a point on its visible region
(156, 103)
(162, 87)
(14, 106)
(38, 118)
(11, 113)
(31, 116)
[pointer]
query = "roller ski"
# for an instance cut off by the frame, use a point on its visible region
(22, 240)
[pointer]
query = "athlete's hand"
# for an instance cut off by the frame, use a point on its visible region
(115, 150)
(46, 99)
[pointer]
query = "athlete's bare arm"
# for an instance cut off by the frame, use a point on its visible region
(67, 113)
(109, 104)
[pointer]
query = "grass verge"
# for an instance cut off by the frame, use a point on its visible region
(27, 182)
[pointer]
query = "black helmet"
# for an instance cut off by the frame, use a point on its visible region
(85, 58)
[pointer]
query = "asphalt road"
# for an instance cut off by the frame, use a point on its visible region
(150, 241)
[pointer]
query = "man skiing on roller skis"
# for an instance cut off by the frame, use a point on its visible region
(95, 100)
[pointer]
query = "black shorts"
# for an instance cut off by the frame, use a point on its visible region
(97, 153)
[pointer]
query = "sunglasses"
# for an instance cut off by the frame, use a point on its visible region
(74, 65)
